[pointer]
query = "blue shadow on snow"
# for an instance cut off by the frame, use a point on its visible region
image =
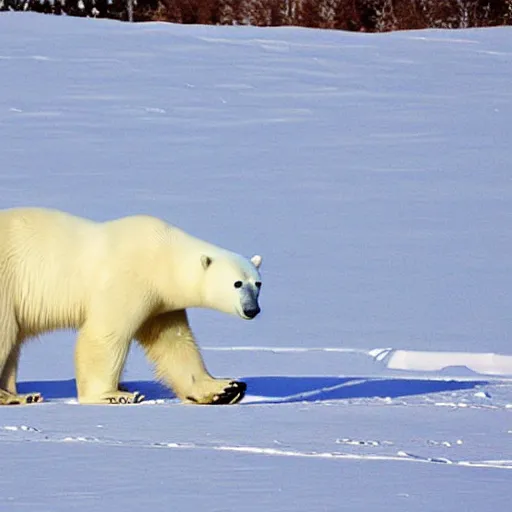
(321, 389)
(66, 389)
(283, 389)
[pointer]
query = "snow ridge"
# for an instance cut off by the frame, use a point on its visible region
(399, 456)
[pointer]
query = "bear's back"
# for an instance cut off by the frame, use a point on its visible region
(45, 257)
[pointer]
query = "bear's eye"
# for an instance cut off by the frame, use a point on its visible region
(258, 284)
(238, 284)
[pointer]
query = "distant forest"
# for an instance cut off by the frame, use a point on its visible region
(354, 15)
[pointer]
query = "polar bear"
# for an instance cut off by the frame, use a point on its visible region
(127, 279)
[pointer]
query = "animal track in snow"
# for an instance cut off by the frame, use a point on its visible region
(399, 456)
(436, 460)
(23, 428)
(357, 442)
(447, 444)
(81, 439)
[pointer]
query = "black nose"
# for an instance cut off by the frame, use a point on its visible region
(251, 313)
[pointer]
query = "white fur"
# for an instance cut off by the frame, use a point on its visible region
(129, 278)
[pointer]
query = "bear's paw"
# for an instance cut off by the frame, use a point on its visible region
(231, 392)
(7, 398)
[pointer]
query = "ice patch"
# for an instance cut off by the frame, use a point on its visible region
(414, 360)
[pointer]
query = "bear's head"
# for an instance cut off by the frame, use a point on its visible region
(231, 284)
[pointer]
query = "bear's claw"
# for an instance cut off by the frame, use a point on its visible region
(33, 398)
(122, 397)
(232, 394)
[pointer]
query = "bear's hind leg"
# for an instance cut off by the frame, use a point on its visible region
(170, 345)
(10, 370)
(9, 357)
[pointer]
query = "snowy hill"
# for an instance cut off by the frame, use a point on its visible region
(372, 172)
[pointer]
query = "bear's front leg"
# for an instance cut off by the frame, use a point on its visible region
(99, 359)
(169, 343)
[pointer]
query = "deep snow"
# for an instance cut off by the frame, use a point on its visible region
(372, 172)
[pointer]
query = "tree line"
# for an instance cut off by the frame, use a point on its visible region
(354, 15)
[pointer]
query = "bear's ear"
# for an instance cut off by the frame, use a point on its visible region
(256, 260)
(206, 261)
